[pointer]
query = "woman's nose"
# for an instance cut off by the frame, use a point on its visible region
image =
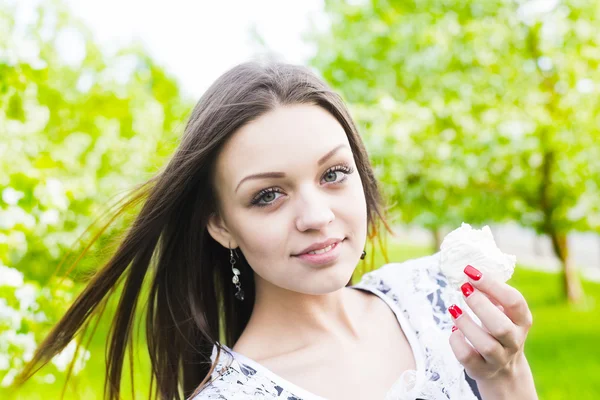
(314, 213)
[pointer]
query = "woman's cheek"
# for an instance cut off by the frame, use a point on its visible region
(264, 239)
(359, 202)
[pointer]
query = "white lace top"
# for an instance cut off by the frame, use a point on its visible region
(419, 295)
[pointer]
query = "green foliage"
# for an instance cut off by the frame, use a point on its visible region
(26, 312)
(79, 128)
(465, 103)
(74, 135)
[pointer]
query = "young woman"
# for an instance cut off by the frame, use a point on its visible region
(248, 240)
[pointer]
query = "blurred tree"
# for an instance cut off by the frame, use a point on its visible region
(79, 127)
(475, 111)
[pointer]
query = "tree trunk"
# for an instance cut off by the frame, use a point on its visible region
(572, 284)
(571, 281)
(437, 239)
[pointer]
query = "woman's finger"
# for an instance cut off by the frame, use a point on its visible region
(464, 352)
(485, 344)
(494, 302)
(514, 304)
(495, 321)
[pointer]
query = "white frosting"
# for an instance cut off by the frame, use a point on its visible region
(476, 247)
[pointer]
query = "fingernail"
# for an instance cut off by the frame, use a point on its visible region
(467, 289)
(455, 311)
(454, 328)
(472, 273)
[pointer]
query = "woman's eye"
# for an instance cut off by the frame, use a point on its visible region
(269, 197)
(331, 176)
(265, 197)
(341, 171)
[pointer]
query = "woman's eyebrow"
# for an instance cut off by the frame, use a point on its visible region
(330, 154)
(264, 175)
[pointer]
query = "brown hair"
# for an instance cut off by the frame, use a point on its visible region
(190, 299)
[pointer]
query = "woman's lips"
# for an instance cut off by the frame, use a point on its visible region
(324, 258)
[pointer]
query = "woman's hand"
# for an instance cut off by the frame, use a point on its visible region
(496, 359)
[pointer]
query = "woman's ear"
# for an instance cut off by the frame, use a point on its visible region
(218, 230)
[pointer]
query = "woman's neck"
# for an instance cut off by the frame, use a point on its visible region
(283, 321)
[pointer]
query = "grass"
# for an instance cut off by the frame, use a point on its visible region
(562, 347)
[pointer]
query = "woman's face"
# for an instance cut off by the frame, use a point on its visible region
(286, 181)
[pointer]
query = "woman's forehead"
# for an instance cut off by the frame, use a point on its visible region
(286, 136)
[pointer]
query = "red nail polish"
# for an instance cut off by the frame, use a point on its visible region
(455, 311)
(472, 273)
(454, 328)
(467, 289)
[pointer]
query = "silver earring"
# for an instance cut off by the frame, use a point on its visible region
(236, 277)
(362, 256)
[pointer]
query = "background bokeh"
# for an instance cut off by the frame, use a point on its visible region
(483, 111)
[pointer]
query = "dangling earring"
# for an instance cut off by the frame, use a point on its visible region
(362, 256)
(236, 277)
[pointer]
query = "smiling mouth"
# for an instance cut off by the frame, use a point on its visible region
(321, 257)
(324, 250)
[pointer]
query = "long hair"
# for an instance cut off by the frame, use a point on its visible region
(190, 299)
